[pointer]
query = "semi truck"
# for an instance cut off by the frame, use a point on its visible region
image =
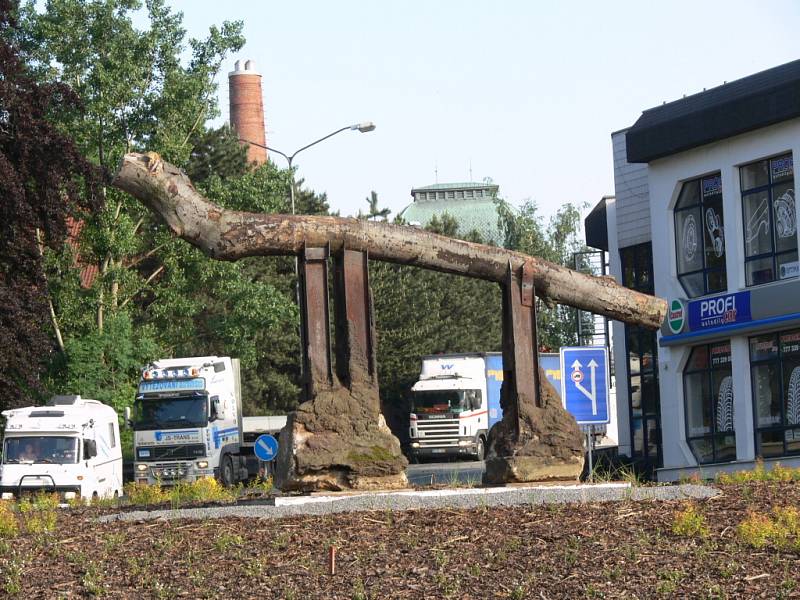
(457, 400)
(188, 424)
(70, 447)
(454, 403)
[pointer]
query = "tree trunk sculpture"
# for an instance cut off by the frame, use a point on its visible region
(230, 235)
(337, 438)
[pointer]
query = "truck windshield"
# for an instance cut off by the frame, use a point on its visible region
(40, 449)
(436, 401)
(170, 413)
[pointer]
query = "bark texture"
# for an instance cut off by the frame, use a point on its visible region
(230, 235)
(549, 445)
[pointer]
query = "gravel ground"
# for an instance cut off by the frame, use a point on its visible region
(429, 499)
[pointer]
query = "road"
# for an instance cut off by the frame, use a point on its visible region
(447, 473)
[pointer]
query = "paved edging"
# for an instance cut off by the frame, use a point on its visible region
(286, 506)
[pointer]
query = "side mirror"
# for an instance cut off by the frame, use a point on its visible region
(128, 422)
(89, 449)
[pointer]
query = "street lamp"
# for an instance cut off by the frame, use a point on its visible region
(364, 127)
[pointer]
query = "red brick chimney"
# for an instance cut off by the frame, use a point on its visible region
(247, 109)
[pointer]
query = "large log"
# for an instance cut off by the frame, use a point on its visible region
(230, 235)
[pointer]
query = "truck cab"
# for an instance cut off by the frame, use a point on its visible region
(70, 447)
(453, 405)
(187, 421)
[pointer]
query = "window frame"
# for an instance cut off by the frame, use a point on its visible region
(705, 270)
(778, 361)
(714, 435)
(769, 187)
(637, 274)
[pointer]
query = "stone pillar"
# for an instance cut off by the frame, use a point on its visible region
(537, 439)
(337, 438)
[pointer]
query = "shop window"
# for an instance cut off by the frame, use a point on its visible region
(708, 397)
(700, 237)
(775, 376)
(769, 220)
(644, 407)
(469, 193)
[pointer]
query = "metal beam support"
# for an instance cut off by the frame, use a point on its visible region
(315, 322)
(520, 345)
(355, 346)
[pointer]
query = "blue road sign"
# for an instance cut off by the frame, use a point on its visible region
(266, 447)
(584, 384)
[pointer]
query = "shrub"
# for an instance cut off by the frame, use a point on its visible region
(142, 494)
(756, 530)
(8, 521)
(206, 489)
(689, 522)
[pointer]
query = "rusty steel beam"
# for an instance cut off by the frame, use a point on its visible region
(520, 345)
(315, 322)
(355, 348)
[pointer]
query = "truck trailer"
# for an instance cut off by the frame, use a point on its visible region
(188, 424)
(70, 447)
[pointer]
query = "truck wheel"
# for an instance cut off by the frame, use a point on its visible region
(226, 472)
(480, 452)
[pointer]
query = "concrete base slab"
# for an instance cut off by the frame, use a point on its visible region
(322, 504)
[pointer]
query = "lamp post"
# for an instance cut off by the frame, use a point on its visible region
(364, 127)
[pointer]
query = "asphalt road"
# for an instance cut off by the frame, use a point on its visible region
(446, 473)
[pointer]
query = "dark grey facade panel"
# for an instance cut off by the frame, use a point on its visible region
(750, 103)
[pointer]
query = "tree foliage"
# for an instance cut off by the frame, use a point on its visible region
(43, 180)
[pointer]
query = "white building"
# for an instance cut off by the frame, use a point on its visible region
(704, 216)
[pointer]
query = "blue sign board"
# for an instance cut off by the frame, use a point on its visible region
(585, 384)
(266, 447)
(708, 313)
(172, 385)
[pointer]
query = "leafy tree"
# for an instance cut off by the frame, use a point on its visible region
(555, 241)
(43, 180)
(138, 94)
(216, 152)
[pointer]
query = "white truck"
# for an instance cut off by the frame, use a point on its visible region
(70, 447)
(188, 424)
(454, 403)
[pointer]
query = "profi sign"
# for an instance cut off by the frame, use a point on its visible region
(709, 313)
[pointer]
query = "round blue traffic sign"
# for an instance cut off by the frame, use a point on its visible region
(266, 447)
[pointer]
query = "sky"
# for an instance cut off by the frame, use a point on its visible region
(526, 93)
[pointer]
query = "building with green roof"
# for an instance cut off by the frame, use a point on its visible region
(471, 204)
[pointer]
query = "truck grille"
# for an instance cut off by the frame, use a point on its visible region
(438, 432)
(150, 453)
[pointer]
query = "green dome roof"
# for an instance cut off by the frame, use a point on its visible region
(470, 214)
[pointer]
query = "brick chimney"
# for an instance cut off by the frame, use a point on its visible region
(247, 109)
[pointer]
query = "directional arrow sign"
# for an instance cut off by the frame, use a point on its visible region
(266, 447)
(585, 392)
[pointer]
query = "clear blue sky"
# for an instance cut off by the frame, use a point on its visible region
(528, 92)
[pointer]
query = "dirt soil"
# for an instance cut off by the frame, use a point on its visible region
(619, 550)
